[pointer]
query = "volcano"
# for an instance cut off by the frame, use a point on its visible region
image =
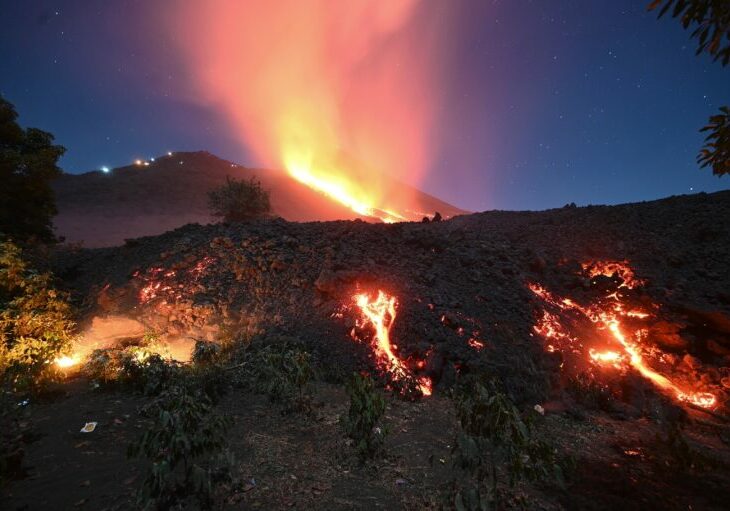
(151, 197)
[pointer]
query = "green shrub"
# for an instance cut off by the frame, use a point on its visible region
(132, 366)
(186, 446)
(35, 323)
(367, 407)
(207, 369)
(239, 200)
(104, 366)
(495, 435)
(283, 371)
(205, 352)
(151, 374)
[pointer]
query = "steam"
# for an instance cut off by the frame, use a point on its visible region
(337, 91)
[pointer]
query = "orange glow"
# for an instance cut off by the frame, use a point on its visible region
(475, 343)
(611, 268)
(380, 313)
(341, 189)
(67, 361)
(611, 357)
(607, 315)
(342, 95)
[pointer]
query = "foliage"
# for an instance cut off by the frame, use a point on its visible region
(207, 370)
(205, 352)
(140, 367)
(186, 440)
(28, 165)
(711, 19)
(716, 152)
(283, 371)
(35, 323)
(367, 407)
(104, 365)
(186, 445)
(711, 22)
(239, 200)
(149, 373)
(493, 435)
(587, 391)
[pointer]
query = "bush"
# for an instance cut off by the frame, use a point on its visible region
(207, 370)
(149, 373)
(205, 353)
(35, 323)
(140, 366)
(494, 434)
(239, 200)
(367, 406)
(283, 371)
(186, 446)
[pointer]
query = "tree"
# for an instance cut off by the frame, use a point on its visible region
(36, 325)
(710, 20)
(239, 200)
(716, 151)
(28, 165)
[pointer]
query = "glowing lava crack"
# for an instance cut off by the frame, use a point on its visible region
(625, 349)
(381, 314)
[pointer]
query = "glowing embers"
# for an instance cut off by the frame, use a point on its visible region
(608, 334)
(171, 284)
(619, 269)
(380, 313)
(464, 326)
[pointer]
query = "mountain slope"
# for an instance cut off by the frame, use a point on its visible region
(466, 306)
(139, 200)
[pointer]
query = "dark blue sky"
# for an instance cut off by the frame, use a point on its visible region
(545, 102)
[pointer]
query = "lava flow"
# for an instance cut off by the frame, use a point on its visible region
(160, 282)
(627, 344)
(340, 188)
(381, 314)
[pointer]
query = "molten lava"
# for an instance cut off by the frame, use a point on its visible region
(380, 313)
(341, 189)
(625, 346)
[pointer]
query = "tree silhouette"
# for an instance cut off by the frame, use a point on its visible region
(710, 21)
(28, 164)
(239, 200)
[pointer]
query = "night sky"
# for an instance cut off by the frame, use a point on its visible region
(543, 102)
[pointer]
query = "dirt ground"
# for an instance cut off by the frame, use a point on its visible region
(304, 461)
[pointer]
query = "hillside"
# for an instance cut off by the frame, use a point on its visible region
(608, 326)
(140, 200)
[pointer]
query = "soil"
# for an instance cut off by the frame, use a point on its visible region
(456, 282)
